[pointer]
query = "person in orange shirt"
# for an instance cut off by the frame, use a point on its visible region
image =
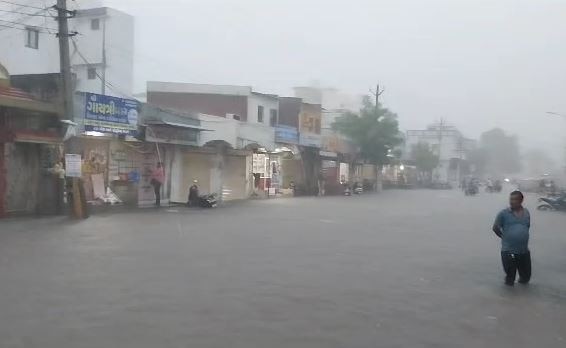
(157, 179)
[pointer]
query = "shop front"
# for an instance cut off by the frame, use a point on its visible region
(116, 165)
(223, 172)
(174, 137)
(30, 151)
(287, 166)
(309, 146)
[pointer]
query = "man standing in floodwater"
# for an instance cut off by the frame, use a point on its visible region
(512, 225)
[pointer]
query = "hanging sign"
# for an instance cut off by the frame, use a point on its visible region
(107, 114)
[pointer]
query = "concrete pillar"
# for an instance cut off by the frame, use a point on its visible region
(217, 172)
(378, 179)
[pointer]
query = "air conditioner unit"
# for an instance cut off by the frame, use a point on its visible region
(234, 117)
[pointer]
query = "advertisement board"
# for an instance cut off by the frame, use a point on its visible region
(73, 165)
(107, 114)
(310, 139)
(287, 135)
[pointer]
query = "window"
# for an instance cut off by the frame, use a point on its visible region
(32, 38)
(260, 114)
(272, 117)
(95, 24)
(91, 73)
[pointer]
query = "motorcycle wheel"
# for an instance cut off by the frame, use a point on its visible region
(545, 207)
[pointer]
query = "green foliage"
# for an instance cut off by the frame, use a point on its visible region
(374, 130)
(501, 151)
(425, 159)
(478, 159)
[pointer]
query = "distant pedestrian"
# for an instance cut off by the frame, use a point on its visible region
(321, 184)
(193, 195)
(157, 179)
(58, 171)
(512, 225)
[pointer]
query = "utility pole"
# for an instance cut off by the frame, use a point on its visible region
(63, 15)
(376, 94)
(64, 57)
(104, 57)
(440, 129)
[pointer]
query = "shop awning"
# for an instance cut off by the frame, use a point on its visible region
(37, 137)
(16, 98)
(328, 154)
(175, 124)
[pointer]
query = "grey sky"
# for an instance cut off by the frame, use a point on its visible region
(476, 63)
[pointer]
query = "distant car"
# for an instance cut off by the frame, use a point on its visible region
(528, 185)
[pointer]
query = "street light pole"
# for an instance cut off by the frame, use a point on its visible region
(563, 116)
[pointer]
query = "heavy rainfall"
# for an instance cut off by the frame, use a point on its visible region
(282, 173)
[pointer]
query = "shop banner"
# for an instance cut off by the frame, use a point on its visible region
(310, 139)
(287, 135)
(171, 135)
(108, 114)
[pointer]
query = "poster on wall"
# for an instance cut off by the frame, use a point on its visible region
(107, 114)
(73, 165)
(259, 163)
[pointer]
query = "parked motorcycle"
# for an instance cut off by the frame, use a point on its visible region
(358, 188)
(347, 191)
(556, 204)
(208, 201)
(494, 188)
(471, 190)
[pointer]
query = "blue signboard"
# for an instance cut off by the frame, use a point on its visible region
(285, 134)
(107, 114)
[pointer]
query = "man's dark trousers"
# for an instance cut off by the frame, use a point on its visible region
(157, 191)
(516, 262)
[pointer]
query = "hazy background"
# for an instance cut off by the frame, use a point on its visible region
(478, 64)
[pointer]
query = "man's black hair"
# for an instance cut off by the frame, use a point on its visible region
(518, 193)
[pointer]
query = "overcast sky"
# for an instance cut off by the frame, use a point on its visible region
(476, 63)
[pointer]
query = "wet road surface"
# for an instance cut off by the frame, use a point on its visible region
(399, 269)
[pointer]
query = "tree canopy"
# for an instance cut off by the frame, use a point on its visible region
(501, 151)
(425, 159)
(374, 130)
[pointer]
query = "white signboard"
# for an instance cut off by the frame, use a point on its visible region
(310, 139)
(73, 165)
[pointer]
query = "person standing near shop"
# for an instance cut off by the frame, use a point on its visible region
(58, 171)
(157, 179)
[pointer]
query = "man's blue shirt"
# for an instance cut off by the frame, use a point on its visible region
(515, 230)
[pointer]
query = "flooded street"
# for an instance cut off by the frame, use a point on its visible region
(399, 269)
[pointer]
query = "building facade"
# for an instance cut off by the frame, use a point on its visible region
(449, 145)
(102, 51)
(240, 127)
(31, 137)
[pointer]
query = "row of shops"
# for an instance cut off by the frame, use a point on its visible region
(112, 145)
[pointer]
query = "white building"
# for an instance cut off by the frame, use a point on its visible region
(448, 143)
(233, 115)
(329, 98)
(256, 113)
(101, 50)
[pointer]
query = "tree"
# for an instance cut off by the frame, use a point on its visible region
(537, 162)
(425, 159)
(501, 151)
(374, 130)
(477, 160)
